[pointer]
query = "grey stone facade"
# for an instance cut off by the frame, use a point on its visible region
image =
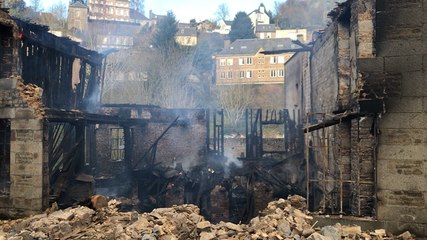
(372, 51)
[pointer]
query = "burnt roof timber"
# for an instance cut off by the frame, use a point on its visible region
(339, 118)
(54, 115)
(39, 35)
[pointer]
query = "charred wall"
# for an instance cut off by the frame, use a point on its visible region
(374, 51)
(26, 178)
(399, 68)
(184, 143)
(297, 85)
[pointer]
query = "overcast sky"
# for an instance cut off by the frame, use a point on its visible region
(188, 9)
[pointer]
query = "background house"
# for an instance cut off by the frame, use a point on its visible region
(186, 35)
(259, 16)
(243, 63)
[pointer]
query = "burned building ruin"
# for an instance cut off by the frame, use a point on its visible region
(354, 135)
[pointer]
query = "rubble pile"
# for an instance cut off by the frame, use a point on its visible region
(32, 95)
(282, 219)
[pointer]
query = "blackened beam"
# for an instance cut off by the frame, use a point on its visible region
(36, 34)
(55, 115)
(337, 119)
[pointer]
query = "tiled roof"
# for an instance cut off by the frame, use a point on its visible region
(265, 28)
(252, 46)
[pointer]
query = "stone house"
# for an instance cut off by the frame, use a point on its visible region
(243, 63)
(259, 16)
(360, 98)
(224, 27)
(186, 35)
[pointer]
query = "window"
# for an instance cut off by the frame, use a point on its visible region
(241, 61)
(229, 61)
(222, 75)
(273, 73)
(77, 13)
(229, 74)
(248, 74)
(222, 62)
(261, 35)
(268, 35)
(117, 144)
(259, 17)
(273, 59)
(281, 59)
(249, 60)
(242, 74)
(281, 73)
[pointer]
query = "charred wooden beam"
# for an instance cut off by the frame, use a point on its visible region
(39, 35)
(337, 119)
(54, 115)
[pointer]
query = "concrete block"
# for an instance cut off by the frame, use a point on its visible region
(371, 64)
(25, 147)
(400, 48)
(26, 192)
(26, 169)
(22, 135)
(403, 63)
(403, 136)
(404, 104)
(403, 120)
(399, 4)
(22, 203)
(397, 152)
(424, 104)
(400, 34)
(411, 175)
(7, 83)
(407, 198)
(7, 112)
(24, 113)
(402, 214)
(34, 124)
(414, 84)
(408, 17)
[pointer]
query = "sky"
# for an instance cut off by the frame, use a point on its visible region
(188, 9)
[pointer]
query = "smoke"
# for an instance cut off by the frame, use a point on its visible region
(230, 163)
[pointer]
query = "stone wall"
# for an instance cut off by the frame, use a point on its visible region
(295, 85)
(28, 160)
(324, 83)
(402, 147)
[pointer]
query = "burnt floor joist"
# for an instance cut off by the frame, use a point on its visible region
(55, 115)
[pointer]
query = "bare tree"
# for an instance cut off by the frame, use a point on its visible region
(234, 99)
(36, 5)
(137, 5)
(222, 12)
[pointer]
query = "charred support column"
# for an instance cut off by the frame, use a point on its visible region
(128, 147)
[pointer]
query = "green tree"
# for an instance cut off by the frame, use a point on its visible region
(241, 28)
(164, 38)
